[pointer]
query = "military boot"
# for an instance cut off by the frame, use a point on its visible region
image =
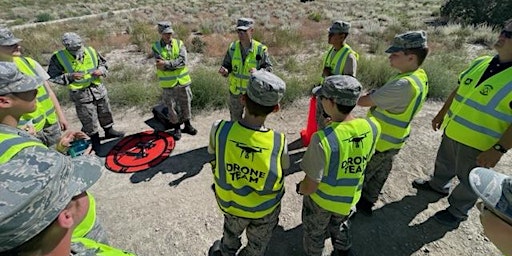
(189, 128)
(95, 142)
(176, 133)
(111, 133)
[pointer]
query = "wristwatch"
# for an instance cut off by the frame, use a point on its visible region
(498, 147)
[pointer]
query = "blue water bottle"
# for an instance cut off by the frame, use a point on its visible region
(78, 147)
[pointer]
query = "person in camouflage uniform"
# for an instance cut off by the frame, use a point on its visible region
(48, 120)
(250, 200)
(42, 191)
(172, 72)
(81, 69)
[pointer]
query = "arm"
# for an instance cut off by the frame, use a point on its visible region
(57, 73)
(313, 164)
(438, 119)
(491, 157)
(226, 68)
(58, 110)
(265, 61)
(179, 62)
(102, 67)
(366, 101)
(308, 186)
(350, 66)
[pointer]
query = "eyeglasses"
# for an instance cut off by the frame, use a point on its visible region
(507, 34)
(241, 31)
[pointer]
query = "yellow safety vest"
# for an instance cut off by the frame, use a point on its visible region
(397, 126)
(248, 175)
(338, 61)
(239, 76)
(11, 144)
(170, 78)
(480, 113)
(45, 110)
(87, 66)
(348, 147)
(100, 249)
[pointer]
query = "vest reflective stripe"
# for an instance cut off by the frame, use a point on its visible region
(88, 222)
(245, 200)
(480, 113)
(99, 248)
(89, 64)
(396, 127)
(11, 144)
(170, 78)
(339, 59)
(239, 76)
(45, 111)
(339, 189)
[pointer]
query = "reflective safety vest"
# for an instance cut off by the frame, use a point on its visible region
(100, 249)
(11, 144)
(397, 126)
(480, 112)
(348, 147)
(337, 60)
(88, 65)
(170, 78)
(248, 175)
(239, 75)
(45, 110)
(88, 222)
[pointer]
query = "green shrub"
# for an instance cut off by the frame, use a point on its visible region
(133, 94)
(443, 70)
(315, 16)
(492, 12)
(210, 89)
(43, 17)
(374, 71)
(198, 45)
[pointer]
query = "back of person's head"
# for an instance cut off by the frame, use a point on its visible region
(342, 89)
(72, 41)
(264, 92)
(495, 190)
(34, 191)
(412, 42)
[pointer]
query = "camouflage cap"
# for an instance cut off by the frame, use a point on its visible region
(244, 23)
(408, 40)
(495, 190)
(72, 41)
(7, 38)
(12, 80)
(339, 27)
(265, 88)
(165, 27)
(344, 90)
(35, 189)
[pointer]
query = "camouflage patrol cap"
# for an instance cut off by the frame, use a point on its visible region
(7, 38)
(408, 40)
(344, 90)
(495, 190)
(339, 27)
(165, 27)
(12, 80)
(72, 41)
(35, 189)
(265, 88)
(244, 23)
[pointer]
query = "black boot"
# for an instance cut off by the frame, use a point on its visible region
(111, 133)
(189, 128)
(95, 142)
(176, 134)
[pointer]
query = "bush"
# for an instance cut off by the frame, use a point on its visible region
(210, 89)
(492, 12)
(43, 17)
(374, 71)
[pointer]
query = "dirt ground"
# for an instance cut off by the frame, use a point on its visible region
(171, 210)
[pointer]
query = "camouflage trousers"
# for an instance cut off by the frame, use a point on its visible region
(319, 114)
(236, 108)
(178, 101)
(376, 174)
(50, 134)
(258, 231)
(319, 223)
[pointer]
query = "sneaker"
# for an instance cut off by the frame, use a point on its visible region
(215, 249)
(425, 185)
(364, 206)
(111, 133)
(446, 218)
(189, 129)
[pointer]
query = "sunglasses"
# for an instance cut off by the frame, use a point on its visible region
(241, 31)
(507, 34)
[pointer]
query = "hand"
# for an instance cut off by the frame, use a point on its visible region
(252, 70)
(67, 138)
(488, 158)
(97, 73)
(29, 129)
(63, 124)
(223, 71)
(77, 75)
(160, 64)
(437, 121)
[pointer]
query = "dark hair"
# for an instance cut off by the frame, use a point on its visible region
(344, 109)
(421, 53)
(256, 109)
